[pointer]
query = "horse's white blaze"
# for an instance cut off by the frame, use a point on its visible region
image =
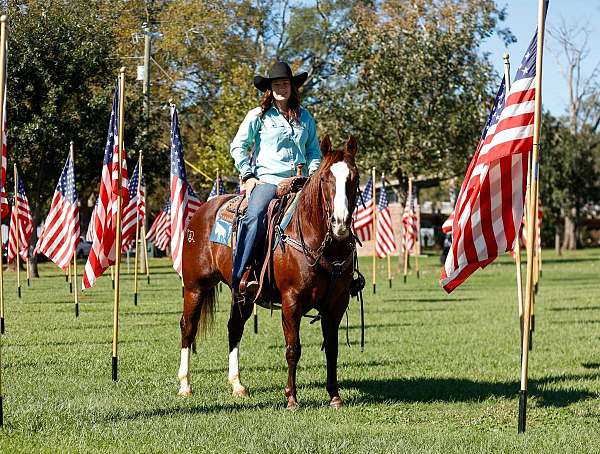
(184, 371)
(340, 171)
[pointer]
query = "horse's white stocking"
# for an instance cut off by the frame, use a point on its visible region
(234, 373)
(185, 388)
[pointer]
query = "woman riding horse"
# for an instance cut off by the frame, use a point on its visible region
(312, 267)
(283, 136)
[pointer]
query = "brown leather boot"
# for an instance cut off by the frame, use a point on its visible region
(248, 284)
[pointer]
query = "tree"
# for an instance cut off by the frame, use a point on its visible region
(412, 86)
(61, 74)
(581, 137)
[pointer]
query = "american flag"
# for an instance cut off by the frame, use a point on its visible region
(409, 224)
(184, 201)
(89, 235)
(217, 189)
(4, 209)
(21, 216)
(60, 235)
(447, 225)
(489, 208)
(104, 250)
(160, 231)
(385, 243)
(362, 221)
(193, 202)
(135, 211)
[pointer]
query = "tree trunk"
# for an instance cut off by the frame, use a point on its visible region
(569, 235)
(557, 247)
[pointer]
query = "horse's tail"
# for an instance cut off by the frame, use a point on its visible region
(207, 312)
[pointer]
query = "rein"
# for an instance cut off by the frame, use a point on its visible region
(317, 257)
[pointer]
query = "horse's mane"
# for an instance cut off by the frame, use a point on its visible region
(310, 206)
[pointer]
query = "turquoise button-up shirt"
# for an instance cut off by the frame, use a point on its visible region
(278, 145)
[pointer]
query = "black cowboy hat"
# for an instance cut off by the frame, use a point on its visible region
(279, 70)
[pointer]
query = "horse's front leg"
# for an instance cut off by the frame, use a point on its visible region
(240, 313)
(291, 315)
(330, 324)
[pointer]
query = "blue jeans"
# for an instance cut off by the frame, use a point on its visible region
(252, 229)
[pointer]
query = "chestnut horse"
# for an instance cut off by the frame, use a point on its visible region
(313, 269)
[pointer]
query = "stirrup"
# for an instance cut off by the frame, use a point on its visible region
(248, 284)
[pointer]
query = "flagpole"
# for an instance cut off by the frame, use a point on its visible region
(517, 247)
(75, 294)
(17, 233)
(69, 280)
(418, 241)
(137, 232)
(531, 204)
(406, 251)
(536, 254)
(28, 272)
(374, 205)
(145, 246)
(2, 96)
(118, 227)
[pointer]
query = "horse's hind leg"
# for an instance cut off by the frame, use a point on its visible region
(240, 313)
(193, 301)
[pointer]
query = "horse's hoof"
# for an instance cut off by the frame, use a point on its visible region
(336, 402)
(292, 405)
(241, 392)
(186, 392)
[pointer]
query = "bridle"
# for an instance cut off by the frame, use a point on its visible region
(317, 256)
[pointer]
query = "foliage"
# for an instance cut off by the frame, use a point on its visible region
(569, 173)
(413, 86)
(61, 74)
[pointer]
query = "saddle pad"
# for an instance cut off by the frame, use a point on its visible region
(291, 209)
(286, 219)
(222, 232)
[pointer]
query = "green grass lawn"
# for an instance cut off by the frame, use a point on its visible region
(438, 374)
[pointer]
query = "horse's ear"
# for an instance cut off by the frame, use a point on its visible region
(351, 145)
(326, 146)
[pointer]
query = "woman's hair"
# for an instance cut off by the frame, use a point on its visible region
(293, 112)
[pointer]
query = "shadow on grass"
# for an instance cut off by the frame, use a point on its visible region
(425, 390)
(387, 310)
(192, 410)
(571, 260)
(574, 308)
(464, 390)
(591, 365)
(442, 299)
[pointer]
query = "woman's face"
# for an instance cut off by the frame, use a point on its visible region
(282, 89)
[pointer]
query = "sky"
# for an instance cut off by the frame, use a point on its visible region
(522, 21)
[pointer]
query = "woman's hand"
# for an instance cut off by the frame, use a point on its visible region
(249, 185)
